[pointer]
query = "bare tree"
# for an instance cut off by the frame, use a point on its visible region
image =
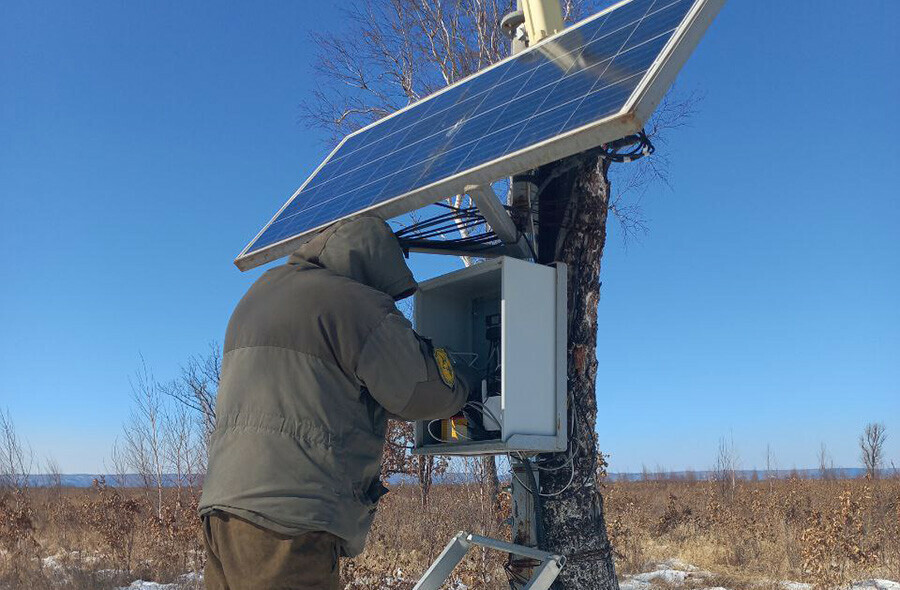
(16, 458)
(726, 466)
(144, 432)
(393, 53)
(197, 385)
(771, 467)
(118, 464)
(826, 463)
(398, 460)
(181, 448)
(871, 446)
(54, 474)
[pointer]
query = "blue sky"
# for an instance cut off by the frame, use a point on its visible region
(142, 145)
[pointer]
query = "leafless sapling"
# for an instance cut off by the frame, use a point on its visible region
(871, 447)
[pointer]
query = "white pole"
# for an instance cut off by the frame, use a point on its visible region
(542, 19)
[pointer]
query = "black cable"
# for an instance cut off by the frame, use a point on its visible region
(452, 213)
(456, 219)
(440, 220)
(447, 206)
(447, 227)
(639, 144)
(450, 245)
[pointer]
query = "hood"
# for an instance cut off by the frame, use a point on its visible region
(363, 249)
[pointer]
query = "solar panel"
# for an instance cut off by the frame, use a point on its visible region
(594, 82)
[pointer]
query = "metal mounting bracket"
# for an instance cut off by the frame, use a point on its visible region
(498, 218)
(456, 550)
(511, 22)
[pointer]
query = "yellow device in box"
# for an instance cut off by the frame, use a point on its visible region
(455, 428)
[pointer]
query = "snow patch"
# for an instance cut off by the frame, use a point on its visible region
(52, 563)
(189, 580)
(676, 573)
(677, 564)
(632, 584)
(876, 585)
(673, 572)
(142, 585)
(669, 576)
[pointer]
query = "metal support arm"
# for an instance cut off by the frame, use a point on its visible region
(456, 550)
(497, 217)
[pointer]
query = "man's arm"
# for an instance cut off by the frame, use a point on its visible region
(407, 375)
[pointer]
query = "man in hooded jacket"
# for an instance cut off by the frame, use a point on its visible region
(317, 357)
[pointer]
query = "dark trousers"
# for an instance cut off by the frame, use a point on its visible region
(243, 556)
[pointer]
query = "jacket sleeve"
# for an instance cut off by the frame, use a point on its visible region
(399, 368)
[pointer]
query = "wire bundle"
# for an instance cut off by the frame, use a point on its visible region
(456, 219)
(628, 149)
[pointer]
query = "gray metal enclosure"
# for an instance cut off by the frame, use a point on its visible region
(531, 301)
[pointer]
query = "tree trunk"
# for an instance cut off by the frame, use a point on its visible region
(573, 522)
(491, 483)
(426, 470)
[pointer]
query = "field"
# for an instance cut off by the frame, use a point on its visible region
(749, 534)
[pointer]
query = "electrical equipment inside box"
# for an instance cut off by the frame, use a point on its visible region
(481, 418)
(502, 323)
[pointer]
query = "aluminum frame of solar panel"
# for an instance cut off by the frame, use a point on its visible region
(637, 108)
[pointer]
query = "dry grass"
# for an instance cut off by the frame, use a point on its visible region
(823, 532)
(827, 533)
(406, 538)
(98, 538)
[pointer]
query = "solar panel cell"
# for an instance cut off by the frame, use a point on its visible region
(501, 94)
(578, 78)
(522, 66)
(487, 148)
(601, 103)
(636, 60)
(662, 19)
(607, 46)
(628, 14)
(488, 80)
(543, 126)
(399, 182)
(548, 74)
(580, 83)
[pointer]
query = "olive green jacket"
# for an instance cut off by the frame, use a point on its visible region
(316, 358)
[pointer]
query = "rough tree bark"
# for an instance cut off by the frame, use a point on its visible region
(492, 483)
(573, 522)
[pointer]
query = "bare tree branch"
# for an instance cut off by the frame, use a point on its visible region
(197, 385)
(632, 182)
(16, 457)
(871, 446)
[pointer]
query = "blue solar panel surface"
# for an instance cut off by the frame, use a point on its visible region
(580, 77)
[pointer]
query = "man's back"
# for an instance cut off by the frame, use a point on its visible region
(316, 355)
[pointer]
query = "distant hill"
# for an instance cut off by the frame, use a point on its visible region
(133, 480)
(745, 474)
(85, 480)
